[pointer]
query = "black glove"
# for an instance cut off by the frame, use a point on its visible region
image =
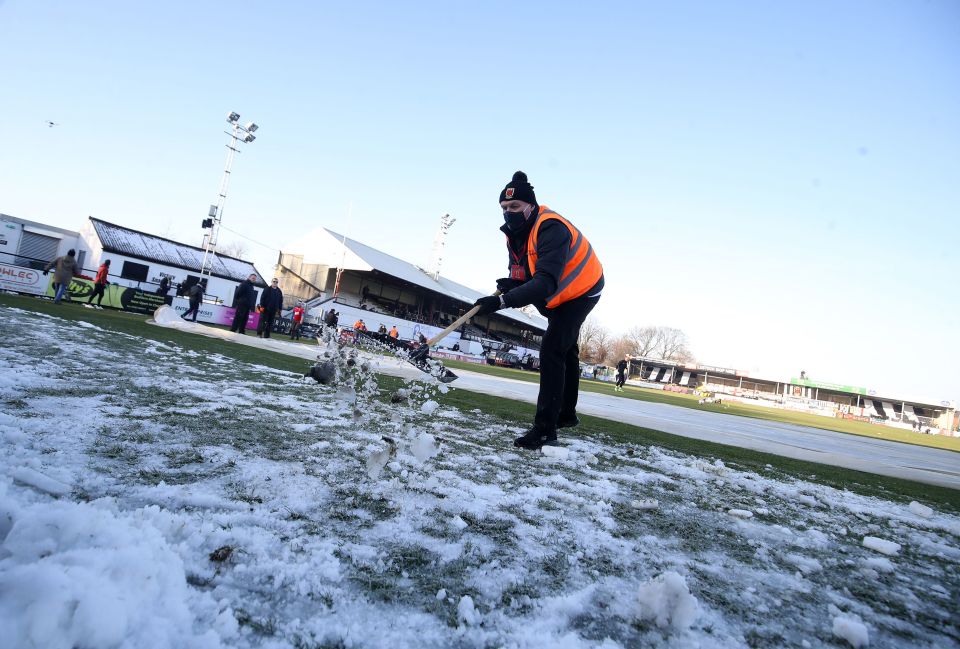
(507, 284)
(45, 273)
(488, 304)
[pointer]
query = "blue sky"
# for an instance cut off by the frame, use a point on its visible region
(779, 180)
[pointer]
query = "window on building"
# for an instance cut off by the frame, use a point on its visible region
(134, 271)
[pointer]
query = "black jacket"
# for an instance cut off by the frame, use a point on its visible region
(245, 295)
(271, 299)
(553, 242)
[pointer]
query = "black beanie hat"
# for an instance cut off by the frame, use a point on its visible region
(518, 189)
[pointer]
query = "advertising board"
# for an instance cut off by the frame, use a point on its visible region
(22, 280)
(115, 296)
(214, 313)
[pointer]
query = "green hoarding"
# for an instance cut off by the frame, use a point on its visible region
(828, 386)
(118, 297)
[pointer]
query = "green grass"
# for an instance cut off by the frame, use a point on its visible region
(521, 413)
(876, 431)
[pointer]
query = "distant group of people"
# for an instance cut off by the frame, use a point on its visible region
(393, 333)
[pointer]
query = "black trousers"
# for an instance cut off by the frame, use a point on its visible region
(194, 307)
(295, 330)
(97, 290)
(560, 363)
(266, 322)
(240, 319)
(621, 379)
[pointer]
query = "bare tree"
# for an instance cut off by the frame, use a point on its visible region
(602, 346)
(671, 343)
(593, 341)
(236, 249)
(641, 341)
(666, 343)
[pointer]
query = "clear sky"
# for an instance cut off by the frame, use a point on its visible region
(781, 180)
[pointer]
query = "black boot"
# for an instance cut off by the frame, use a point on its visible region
(534, 438)
(568, 421)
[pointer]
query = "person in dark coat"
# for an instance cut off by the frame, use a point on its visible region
(244, 300)
(164, 287)
(66, 269)
(622, 373)
(554, 268)
(195, 294)
(330, 318)
(271, 301)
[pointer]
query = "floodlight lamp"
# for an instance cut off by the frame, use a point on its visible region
(249, 137)
(233, 117)
(251, 127)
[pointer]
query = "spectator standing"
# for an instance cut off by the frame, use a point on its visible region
(244, 299)
(330, 318)
(271, 301)
(544, 247)
(360, 326)
(195, 295)
(297, 320)
(622, 373)
(100, 283)
(164, 287)
(66, 270)
(394, 333)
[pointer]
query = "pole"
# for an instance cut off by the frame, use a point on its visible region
(210, 251)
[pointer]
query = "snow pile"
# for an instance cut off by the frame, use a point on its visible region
(166, 315)
(555, 452)
(921, 510)
(78, 575)
(882, 546)
(852, 630)
(667, 601)
(424, 447)
(467, 612)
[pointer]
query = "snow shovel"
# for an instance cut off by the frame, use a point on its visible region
(419, 355)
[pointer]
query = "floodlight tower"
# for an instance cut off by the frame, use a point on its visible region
(238, 133)
(436, 261)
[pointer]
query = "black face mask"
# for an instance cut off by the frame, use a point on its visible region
(517, 220)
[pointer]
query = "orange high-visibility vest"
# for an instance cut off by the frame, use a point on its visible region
(582, 269)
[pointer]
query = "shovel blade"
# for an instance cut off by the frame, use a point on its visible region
(447, 376)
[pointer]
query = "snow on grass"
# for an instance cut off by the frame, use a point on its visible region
(153, 496)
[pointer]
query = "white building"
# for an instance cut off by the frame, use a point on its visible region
(137, 259)
(142, 260)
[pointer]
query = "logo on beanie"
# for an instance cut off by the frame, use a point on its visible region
(509, 193)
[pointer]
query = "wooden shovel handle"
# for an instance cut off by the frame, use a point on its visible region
(456, 323)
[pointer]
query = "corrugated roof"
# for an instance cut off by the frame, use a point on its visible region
(124, 241)
(391, 265)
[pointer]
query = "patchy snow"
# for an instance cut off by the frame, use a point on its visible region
(153, 496)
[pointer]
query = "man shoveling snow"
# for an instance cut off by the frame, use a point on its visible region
(554, 268)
